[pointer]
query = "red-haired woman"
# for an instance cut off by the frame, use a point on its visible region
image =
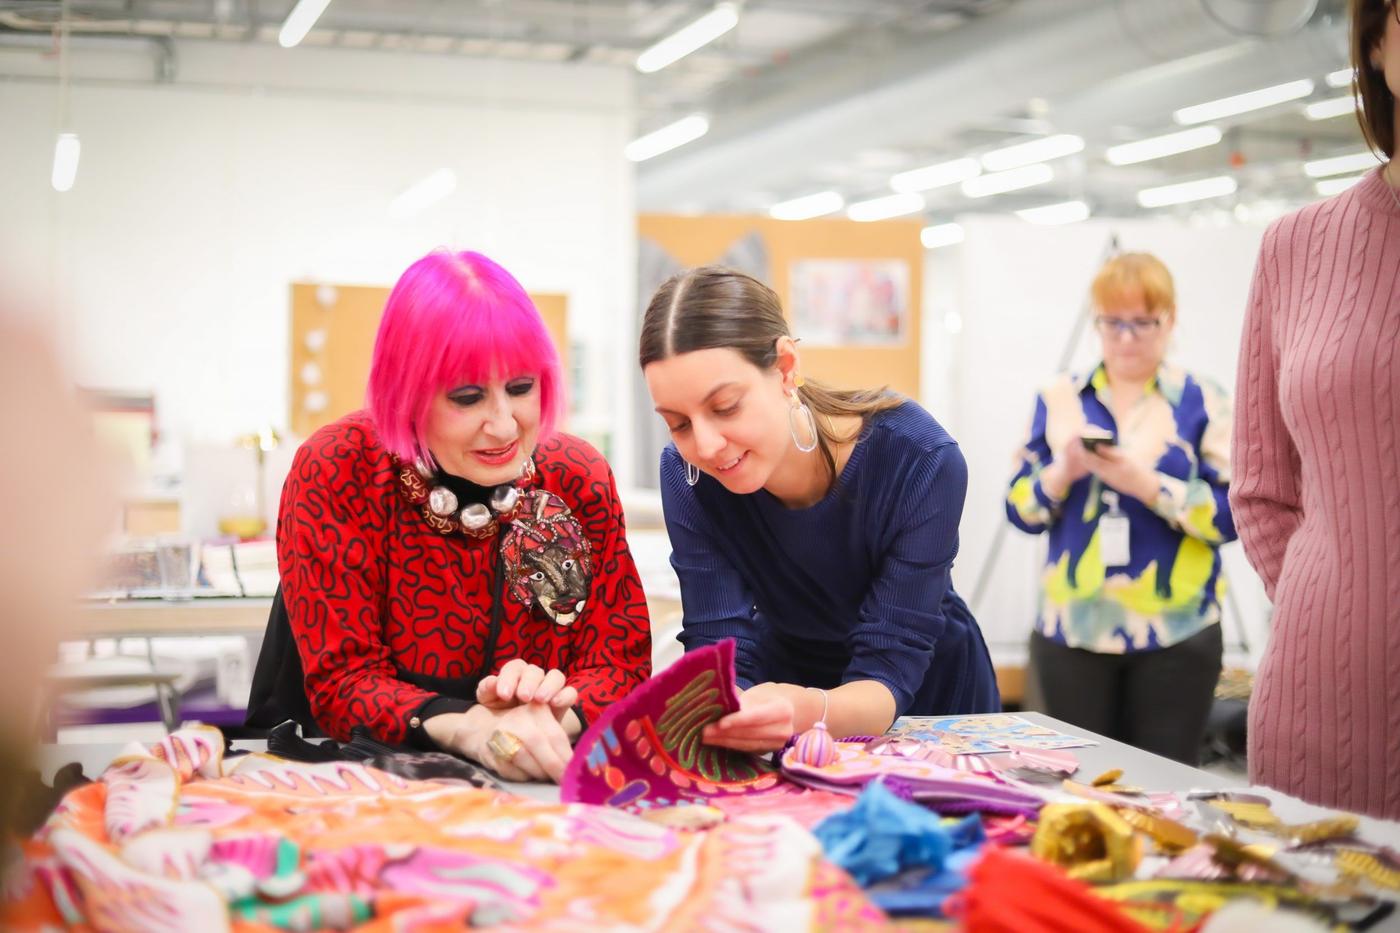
(454, 571)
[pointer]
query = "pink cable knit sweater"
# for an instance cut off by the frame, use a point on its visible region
(1316, 499)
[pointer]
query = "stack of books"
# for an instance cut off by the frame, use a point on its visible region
(240, 568)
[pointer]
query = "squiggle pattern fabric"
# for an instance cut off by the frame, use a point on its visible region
(371, 589)
(175, 839)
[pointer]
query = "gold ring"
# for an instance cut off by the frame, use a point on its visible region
(504, 745)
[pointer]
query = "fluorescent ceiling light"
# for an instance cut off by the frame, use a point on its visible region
(1188, 191)
(1330, 186)
(893, 205)
(1157, 147)
(1327, 109)
(808, 206)
(1244, 103)
(1339, 165)
(1001, 182)
(1038, 150)
(936, 176)
(686, 130)
(65, 161)
(941, 235)
(679, 44)
(1066, 212)
(299, 22)
(423, 193)
(1340, 78)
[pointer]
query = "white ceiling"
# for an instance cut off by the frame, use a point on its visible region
(806, 95)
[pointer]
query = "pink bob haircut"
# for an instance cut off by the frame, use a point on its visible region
(455, 319)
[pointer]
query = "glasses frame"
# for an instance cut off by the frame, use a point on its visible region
(1138, 329)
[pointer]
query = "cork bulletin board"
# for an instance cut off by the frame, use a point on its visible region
(333, 329)
(800, 257)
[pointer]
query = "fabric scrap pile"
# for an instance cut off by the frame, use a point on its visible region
(180, 838)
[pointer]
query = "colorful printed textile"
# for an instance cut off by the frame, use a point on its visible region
(1170, 588)
(177, 839)
(946, 790)
(645, 751)
(977, 735)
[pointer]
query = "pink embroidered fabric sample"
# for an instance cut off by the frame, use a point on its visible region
(645, 751)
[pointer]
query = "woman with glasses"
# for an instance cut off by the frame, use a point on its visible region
(1317, 489)
(1127, 470)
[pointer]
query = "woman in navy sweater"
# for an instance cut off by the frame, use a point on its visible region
(815, 527)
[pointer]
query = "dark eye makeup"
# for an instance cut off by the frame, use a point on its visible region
(468, 395)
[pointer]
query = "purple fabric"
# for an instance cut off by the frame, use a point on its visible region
(645, 750)
(940, 788)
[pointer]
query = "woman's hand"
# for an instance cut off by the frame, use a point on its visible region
(1069, 468)
(525, 742)
(1124, 474)
(522, 682)
(765, 721)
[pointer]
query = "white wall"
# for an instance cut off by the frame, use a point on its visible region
(1018, 289)
(198, 201)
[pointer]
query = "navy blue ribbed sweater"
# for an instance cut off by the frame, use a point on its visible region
(855, 587)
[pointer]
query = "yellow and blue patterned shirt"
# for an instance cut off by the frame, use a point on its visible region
(1171, 587)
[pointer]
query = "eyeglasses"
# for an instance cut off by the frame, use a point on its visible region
(1138, 327)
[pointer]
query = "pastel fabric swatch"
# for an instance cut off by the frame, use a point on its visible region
(176, 838)
(946, 790)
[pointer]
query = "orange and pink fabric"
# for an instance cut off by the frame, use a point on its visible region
(178, 838)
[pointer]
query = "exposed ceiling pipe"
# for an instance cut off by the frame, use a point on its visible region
(1051, 49)
(161, 48)
(1146, 99)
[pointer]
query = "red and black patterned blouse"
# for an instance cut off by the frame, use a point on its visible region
(375, 597)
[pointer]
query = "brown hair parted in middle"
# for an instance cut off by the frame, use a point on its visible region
(713, 307)
(1375, 102)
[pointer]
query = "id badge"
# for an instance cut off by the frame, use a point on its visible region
(1113, 540)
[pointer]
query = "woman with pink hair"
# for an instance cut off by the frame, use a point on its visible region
(454, 570)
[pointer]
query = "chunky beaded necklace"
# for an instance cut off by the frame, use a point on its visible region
(443, 511)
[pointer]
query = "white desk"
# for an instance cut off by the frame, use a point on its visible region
(1140, 768)
(150, 617)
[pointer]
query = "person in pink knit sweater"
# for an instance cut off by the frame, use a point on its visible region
(1316, 490)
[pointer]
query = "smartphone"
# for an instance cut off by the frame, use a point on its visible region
(1093, 438)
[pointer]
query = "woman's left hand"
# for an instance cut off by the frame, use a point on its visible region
(764, 723)
(1124, 474)
(521, 682)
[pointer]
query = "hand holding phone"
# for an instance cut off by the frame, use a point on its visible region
(1094, 438)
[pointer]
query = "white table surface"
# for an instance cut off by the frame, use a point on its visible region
(1142, 769)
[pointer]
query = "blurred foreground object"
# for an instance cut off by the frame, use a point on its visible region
(54, 499)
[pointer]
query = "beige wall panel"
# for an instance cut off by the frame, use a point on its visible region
(697, 240)
(349, 322)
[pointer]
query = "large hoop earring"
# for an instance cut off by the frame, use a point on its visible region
(800, 409)
(692, 473)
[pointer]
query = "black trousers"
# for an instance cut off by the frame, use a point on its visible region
(1155, 700)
